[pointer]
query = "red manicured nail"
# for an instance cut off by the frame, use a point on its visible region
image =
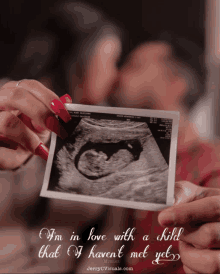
(10, 146)
(14, 146)
(7, 143)
(42, 151)
(53, 124)
(66, 99)
(3, 138)
(60, 110)
(39, 129)
(26, 120)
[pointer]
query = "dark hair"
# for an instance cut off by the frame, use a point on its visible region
(56, 35)
(191, 55)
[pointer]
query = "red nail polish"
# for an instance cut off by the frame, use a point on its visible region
(14, 147)
(39, 129)
(42, 151)
(60, 110)
(3, 138)
(7, 143)
(66, 99)
(53, 124)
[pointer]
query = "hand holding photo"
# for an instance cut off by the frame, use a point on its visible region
(114, 156)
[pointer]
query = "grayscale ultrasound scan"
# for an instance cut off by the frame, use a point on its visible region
(114, 156)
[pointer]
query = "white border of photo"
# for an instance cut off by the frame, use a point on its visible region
(117, 202)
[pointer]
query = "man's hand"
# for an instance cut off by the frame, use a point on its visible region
(197, 210)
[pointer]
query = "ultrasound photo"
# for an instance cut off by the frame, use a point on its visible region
(114, 156)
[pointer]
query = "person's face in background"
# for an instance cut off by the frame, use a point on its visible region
(150, 79)
(99, 73)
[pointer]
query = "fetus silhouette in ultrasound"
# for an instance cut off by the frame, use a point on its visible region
(112, 159)
(96, 160)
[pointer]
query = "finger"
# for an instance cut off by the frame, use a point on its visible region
(189, 271)
(199, 260)
(66, 99)
(206, 236)
(28, 122)
(52, 124)
(186, 192)
(200, 211)
(33, 125)
(41, 132)
(40, 92)
(29, 105)
(14, 129)
(7, 143)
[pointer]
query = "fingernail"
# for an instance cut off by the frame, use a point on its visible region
(14, 146)
(39, 129)
(53, 124)
(167, 218)
(7, 143)
(60, 110)
(66, 99)
(3, 138)
(42, 151)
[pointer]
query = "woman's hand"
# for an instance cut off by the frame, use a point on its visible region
(197, 210)
(27, 115)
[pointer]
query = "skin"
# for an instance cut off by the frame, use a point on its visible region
(147, 75)
(147, 64)
(19, 101)
(16, 101)
(198, 213)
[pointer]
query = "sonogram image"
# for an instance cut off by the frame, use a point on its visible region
(117, 159)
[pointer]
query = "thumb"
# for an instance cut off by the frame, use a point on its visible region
(186, 192)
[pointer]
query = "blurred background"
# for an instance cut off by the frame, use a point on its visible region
(58, 42)
(134, 22)
(197, 21)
